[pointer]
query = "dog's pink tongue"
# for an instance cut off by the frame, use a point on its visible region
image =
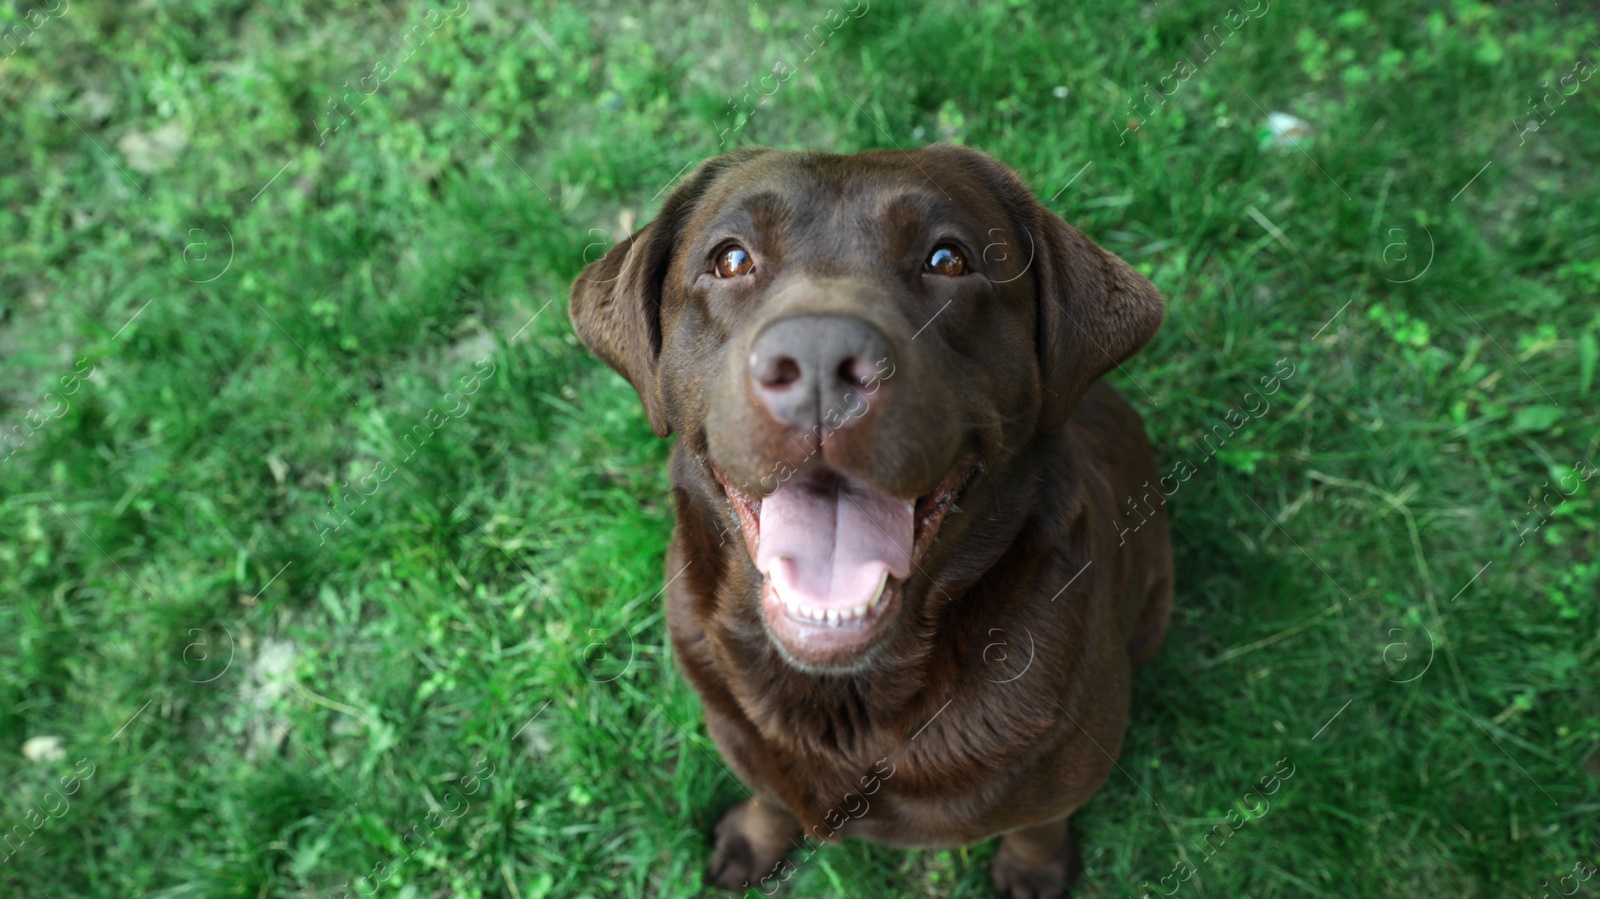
(829, 547)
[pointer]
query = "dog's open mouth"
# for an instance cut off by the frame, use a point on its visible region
(834, 555)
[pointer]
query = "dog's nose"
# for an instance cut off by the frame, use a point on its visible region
(811, 370)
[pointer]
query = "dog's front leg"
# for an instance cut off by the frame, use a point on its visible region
(749, 843)
(1037, 862)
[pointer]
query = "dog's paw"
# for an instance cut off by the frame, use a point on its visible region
(1017, 879)
(733, 859)
(747, 845)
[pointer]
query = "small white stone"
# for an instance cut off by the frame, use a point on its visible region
(43, 749)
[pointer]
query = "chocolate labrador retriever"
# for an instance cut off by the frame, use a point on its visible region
(896, 466)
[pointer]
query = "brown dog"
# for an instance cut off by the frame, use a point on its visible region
(905, 584)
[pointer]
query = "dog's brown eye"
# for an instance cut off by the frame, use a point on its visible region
(733, 262)
(945, 260)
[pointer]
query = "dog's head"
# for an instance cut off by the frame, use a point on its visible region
(846, 344)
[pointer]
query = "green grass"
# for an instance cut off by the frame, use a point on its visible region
(269, 713)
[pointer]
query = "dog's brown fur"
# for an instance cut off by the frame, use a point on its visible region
(998, 700)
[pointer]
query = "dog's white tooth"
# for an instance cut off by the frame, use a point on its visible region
(859, 610)
(877, 595)
(833, 616)
(815, 614)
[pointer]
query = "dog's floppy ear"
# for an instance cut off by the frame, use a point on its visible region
(1095, 312)
(615, 303)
